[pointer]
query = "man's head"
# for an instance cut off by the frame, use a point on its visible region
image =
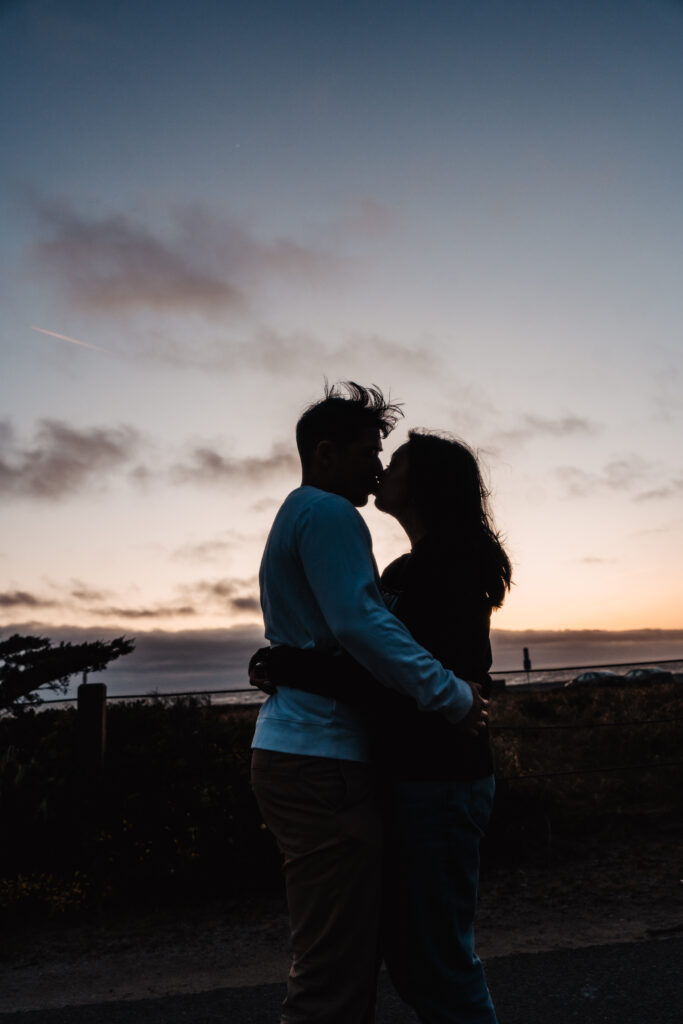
(340, 438)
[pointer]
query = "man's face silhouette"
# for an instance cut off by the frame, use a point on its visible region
(352, 470)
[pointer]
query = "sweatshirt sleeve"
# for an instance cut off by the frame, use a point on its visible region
(336, 555)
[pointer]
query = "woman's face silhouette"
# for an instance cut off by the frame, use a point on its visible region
(392, 494)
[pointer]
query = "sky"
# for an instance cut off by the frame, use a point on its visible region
(210, 207)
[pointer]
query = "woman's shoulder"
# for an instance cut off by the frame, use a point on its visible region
(395, 571)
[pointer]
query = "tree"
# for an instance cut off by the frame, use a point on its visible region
(32, 663)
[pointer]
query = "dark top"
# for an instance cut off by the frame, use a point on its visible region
(436, 591)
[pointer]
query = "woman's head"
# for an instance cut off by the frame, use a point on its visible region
(435, 480)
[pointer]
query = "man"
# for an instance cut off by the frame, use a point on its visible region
(310, 765)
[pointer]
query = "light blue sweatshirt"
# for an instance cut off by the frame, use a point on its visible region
(319, 589)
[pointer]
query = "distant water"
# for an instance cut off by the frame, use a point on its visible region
(559, 676)
(237, 695)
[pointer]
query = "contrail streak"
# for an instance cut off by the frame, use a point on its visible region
(74, 341)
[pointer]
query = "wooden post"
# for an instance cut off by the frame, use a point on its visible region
(92, 718)
(527, 660)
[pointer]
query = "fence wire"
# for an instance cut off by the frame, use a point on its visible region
(604, 769)
(494, 727)
(585, 725)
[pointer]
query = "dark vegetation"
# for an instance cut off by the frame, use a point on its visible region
(30, 664)
(172, 818)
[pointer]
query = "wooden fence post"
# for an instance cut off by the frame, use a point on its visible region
(92, 721)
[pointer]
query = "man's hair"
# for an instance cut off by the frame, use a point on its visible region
(342, 415)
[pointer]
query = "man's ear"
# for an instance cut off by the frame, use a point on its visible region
(324, 453)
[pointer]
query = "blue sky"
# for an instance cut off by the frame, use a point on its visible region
(476, 206)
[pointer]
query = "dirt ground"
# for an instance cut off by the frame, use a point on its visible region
(628, 889)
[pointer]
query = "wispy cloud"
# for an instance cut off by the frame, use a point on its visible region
(160, 611)
(83, 592)
(596, 560)
(619, 475)
(233, 595)
(673, 489)
(61, 459)
(367, 216)
(208, 465)
(23, 599)
(201, 263)
(530, 427)
(279, 353)
(265, 505)
(213, 550)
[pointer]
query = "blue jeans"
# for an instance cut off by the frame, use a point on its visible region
(432, 870)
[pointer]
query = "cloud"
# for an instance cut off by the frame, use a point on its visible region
(206, 551)
(157, 612)
(62, 459)
(218, 548)
(82, 592)
(619, 475)
(530, 427)
(202, 263)
(668, 394)
(583, 647)
(671, 490)
(595, 560)
(237, 595)
(166, 661)
(278, 353)
(213, 659)
(207, 465)
(265, 505)
(234, 595)
(672, 527)
(368, 216)
(22, 599)
(246, 604)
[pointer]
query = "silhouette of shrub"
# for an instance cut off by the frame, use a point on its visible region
(172, 816)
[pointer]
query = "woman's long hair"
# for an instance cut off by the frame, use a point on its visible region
(446, 488)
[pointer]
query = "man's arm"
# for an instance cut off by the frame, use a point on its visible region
(336, 555)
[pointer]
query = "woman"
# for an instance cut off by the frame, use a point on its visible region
(440, 784)
(438, 779)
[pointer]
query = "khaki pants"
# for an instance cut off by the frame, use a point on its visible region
(325, 817)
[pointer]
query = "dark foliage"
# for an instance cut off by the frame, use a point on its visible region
(172, 817)
(31, 663)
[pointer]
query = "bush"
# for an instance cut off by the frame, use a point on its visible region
(172, 815)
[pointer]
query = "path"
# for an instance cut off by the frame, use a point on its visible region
(627, 983)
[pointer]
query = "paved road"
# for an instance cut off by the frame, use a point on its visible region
(630, 983)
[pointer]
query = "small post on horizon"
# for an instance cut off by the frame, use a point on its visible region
(527, 663)
(92, 719)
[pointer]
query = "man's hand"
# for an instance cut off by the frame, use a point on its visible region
(477, 718)
(258, 671)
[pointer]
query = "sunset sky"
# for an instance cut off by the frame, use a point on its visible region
(209, 207)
